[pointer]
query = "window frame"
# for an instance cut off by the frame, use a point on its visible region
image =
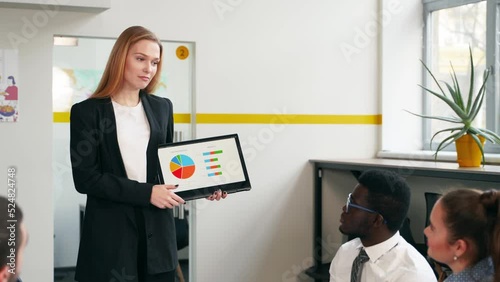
(492, 99)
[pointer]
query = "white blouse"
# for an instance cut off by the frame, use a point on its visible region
(133, 132)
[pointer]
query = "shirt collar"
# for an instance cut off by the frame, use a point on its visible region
(378, 250)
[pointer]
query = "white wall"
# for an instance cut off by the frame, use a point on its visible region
(401, 72)
(257, 57)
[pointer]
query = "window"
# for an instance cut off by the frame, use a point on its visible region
(451, 26)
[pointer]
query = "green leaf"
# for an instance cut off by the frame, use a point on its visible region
(449, 140)
(457, 94)
(444, 130)
(433, 77)
(471, 88)
(476, 107)
(450, 103)
(489, 135)
(448, 119)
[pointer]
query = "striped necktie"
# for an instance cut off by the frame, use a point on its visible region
(357, 265)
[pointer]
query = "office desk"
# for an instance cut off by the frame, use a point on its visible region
(488, 173)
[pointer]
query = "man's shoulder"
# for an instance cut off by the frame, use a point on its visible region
(410, 250)
(412, 264)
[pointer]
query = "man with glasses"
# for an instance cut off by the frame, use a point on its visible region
(373, 214)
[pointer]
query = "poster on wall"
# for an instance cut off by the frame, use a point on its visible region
(9, 96)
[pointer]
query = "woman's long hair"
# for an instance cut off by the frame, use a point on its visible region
(112, 78)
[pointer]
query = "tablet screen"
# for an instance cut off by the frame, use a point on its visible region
(202, 166)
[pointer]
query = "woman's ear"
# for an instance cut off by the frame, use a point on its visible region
(460, 246)
(4, 273)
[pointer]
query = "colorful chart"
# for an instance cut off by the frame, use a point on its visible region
(182, 166)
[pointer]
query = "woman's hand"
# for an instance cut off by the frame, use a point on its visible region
(217, 195)
(163, 197)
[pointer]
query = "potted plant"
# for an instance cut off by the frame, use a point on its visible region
(463, 132)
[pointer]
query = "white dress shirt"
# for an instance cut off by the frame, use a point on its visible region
(393, 260)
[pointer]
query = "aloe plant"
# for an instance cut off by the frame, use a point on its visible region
(466, 111)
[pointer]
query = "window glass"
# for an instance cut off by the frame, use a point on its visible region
(452, 31)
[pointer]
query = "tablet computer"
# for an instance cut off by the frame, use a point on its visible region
(202, 166)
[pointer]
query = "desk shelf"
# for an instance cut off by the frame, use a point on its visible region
(449, 170)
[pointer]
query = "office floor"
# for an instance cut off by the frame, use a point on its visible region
(69, 274)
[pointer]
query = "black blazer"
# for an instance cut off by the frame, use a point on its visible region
(109, 242)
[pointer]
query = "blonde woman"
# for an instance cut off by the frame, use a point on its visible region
(128, 230)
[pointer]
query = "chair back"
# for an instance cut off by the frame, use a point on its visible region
(430, 199)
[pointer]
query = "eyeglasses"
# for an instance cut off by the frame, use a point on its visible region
(351, 205)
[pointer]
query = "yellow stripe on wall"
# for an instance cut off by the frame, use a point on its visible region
(182, 118)
(62, 117)
(288, 119)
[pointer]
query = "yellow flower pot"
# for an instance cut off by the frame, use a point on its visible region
(468, 153)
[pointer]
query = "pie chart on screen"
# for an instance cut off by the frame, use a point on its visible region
(182, 166)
